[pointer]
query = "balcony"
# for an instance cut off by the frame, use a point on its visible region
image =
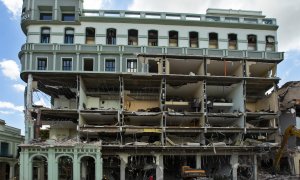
(177, 51)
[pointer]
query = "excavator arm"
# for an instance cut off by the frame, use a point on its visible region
(290, 131)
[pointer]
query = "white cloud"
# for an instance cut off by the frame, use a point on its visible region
(19, 87)
(41, 102)
(14, 7)
(6, 112)
(286, 13)
(97, 4)
(10, 69)
(10, 106)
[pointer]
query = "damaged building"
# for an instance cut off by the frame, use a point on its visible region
(136, 95)
(289, 101)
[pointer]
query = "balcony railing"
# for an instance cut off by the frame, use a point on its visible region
(153, 50)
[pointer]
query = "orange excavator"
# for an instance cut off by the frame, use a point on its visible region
(290, 131)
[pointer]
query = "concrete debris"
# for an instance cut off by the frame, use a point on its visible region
(262, 175)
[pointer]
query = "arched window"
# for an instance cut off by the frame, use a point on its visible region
(111, 34)
(173, 38)
(69, 36)
(270, 43)
(133, 37)
(252, 42)
(90, 35)
(213, 40)
(194, 39)
(152, 38)
(65, 168)
(45, 35)
(232, 41)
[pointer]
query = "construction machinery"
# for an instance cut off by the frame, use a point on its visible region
(188, 173)
(290, 131)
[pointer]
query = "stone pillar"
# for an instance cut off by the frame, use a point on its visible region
(28, 106)
(76, 166)
(159, 167)
(25, 165)
(11, 170)
(52, 171)
(124, 161)
(198, 161)
(234, 161)
(99, 166)
(255, 166)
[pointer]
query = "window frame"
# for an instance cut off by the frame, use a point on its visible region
(63, 14)
(270, 44)
(255, 47)
(44, 35)
(133, 37)
(69, 37)
(110, 59)
(62, 63)
(37, 63)
(88, 58)
(113, 40)
(236, 41)
(46, 13)
(157, 37)
(86, 35)
(209, 40)
(190, 41)
(176, 39)
(130, 69)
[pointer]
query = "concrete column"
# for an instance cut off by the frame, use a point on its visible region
(11, 170)
(234, 161)
(124, 161)
(52, 172)
(76, 166)
(99, 167)
(159, 167)
(255, 167)
(198, 161)
(28, 104)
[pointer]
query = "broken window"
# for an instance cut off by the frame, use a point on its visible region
(69, 36)
(46, 16)
(252, 41)
(232, 41)
(270, 43)
(131, 65)
(110, 65)
(68, 17)
(111, 36)
(194, 40)
(173, 38)
(65, 168)
(45, 35)
(67, 64)
(87, 168)
(152, 38)
(39, 167)
(42, 64)
(153, 66)
(133, 37)
(88, 65)
(90, 35)
(213, 40)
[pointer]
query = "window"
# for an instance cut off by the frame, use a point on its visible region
(252, 42)
(111, 36)
(4, 149)
(270, 43)
(88, 65)
(45, 35)
(68, 17)
(42, 64)
(133, 37)
(110, 65)
(194, 42)
(232, 41)
(213, 40)
(131, 65)
(152, 38)
(90, 35)
(67, 64)
(46, 16)
(173, 38)
(69, 36)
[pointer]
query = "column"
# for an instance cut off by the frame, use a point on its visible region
(234, 161)
(76, 166)
(99, 166)
(255, 167)
(198, 161)
(11, 170)
(124, 161)
(159, 167)
(52, 172)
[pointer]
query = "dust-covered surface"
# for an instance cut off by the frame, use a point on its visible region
(267, 176)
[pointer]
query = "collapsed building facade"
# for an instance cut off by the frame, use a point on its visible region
(140, 94)
(289, 103)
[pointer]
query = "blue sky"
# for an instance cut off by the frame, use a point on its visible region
(11, 39)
